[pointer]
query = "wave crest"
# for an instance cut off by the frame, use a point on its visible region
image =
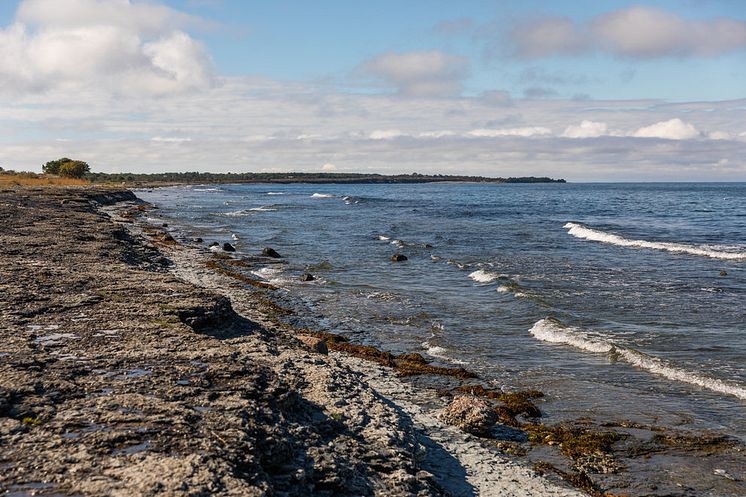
(580, 231)
(550, 330)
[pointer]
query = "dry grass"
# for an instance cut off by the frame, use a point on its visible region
(26, 179)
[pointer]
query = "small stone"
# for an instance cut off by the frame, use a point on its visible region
(398, 257)
(165, 225)
(723, 273)
(315, 344)
(470, 414)
(270, 252)
(307, 277)
(214, 244)
(168, 238)
(228, 247)
(197, 240)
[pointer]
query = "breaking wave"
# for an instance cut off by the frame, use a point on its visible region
(550, 330)
(246, 212)
(323, 195)
(580, 231)
(482, 276)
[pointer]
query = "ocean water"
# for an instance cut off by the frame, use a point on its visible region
(608, 297)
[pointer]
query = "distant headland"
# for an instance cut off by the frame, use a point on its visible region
(293, 177)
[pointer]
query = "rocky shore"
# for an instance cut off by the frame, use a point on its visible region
(127, 367)
(132, 363)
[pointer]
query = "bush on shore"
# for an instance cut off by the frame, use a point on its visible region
(67, 168)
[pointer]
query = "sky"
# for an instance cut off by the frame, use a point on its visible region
(583, 90)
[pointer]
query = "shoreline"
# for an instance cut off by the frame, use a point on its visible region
(375, 419)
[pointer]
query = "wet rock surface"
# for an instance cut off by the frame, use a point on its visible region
(118, 378)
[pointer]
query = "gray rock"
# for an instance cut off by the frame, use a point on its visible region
(470, 414)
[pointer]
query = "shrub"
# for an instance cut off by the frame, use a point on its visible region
(74, 169)
(53, 166)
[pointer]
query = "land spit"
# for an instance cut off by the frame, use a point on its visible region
(128, 367)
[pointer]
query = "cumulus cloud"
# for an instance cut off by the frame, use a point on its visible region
(385, 134)
(673, 129)
(524, 132)
(113, 45)
(638, 32)
(586, 129)
(419, 74)
(329, 167)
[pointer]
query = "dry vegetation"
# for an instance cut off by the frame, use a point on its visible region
(11, 179)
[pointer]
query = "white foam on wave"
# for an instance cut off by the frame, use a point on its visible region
(322, 195)
(266, 272)
(580, 231)
(482, 276)
(503, 289)
(549, 330)
(383, 238)
(276, 193)
(246, 212)
(440, 353)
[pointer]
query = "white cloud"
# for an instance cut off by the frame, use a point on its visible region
(719, 135)
(637, 31)
(673, 129)
(329, 167)
(385, 134)
(109, 45)
(419, 74)
(524, 132)
(586, 129)
(171, 139)
(148, 19)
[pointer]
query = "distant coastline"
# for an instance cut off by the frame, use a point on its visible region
(163, 179)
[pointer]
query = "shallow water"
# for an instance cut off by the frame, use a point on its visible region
(606, 296)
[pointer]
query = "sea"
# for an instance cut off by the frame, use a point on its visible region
(619, 301)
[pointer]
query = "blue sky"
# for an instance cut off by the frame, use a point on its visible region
(329, 39)
(587, 90)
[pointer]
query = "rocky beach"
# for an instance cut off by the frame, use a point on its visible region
(133, 363)
(127, 367)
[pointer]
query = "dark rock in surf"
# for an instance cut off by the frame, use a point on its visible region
(214, 244)
(270, 252)
(398, 257)
(723, 273)
(197, 240)
(228, 247)
(168, 238)
(307, 277)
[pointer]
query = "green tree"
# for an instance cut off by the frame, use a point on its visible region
(53, 166)
(74, 169)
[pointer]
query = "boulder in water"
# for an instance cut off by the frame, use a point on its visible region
(398, 257)
(270, 252)
(723, 273)
(228, 247)
(307, 277)
(197, 240)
